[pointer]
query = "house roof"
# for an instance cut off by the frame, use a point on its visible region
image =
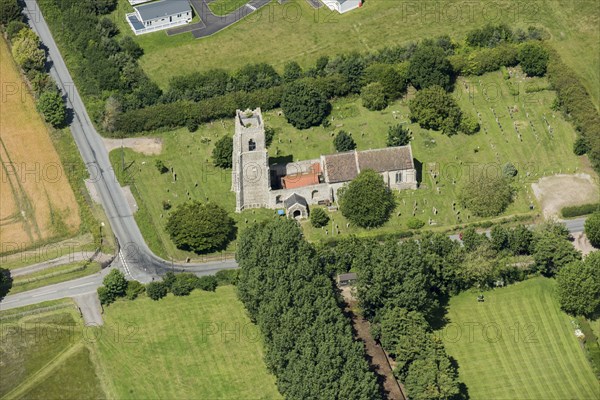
(388, 159)
(295, 199)
(301, 180)
(340, 167)
(347, 277)
(161, 9)
(344, 167)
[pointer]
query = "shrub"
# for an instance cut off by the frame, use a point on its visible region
(592, 229)
(105, 296)
(291, 71)
(366, 201)
(533, 58)
(577, 211)
(183, 284)
(14, 27)
(509, 170)
(227, 276)
(156, 290)
(27, 52)
(468, 125)
(415, 223)
(398, 135)
(223, 152)
(115, 283)
(161, 167)
(581, 146)
(373, 97)
(134, 289)
(201, 228)
(318, 217)
(486, 196)
(344, 142)
(207, 283)
(51, 105)
(9, 11)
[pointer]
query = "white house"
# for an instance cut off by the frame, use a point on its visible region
(343, 6)
(158, 15)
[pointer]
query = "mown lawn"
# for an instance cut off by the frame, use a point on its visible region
(452, 160)
(518, 344)
(295, 31)
(199, 347)
(224, 7)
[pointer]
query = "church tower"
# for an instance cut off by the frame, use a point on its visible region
(251, 179)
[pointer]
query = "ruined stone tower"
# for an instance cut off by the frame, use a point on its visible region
(250, 161)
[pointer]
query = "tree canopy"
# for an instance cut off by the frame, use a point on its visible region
(578, 286)
(366, 201)
(533, 58)
(51, 105)
(343, 141)
(318, 217)
(398, 135)
(9, 11)
(435, 109)
(201, 228)
(429, 66)
(486, 196)
(592, 229)
(552, 252)
(373, 97)
(303, 105)
(223, 152)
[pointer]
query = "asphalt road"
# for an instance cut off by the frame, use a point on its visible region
(139, 261)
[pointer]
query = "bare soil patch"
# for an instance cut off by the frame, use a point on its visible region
(558, 191)
(582, 243)
(147, 146)
(37, 202)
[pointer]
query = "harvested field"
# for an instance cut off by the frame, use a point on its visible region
(36, 200)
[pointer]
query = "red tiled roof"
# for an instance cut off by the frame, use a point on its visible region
(301, 180)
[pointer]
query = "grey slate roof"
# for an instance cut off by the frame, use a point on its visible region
(295, 199)
(163, 8)
(340, 167)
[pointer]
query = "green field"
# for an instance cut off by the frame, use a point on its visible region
(224, 7)
(199, 347)
(45, 355)
(295, 31)
(518, 345)
(453, 158)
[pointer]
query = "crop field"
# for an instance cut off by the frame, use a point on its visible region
(37, 202)
(295, 31)
(539, 145)
(197, 347)
(517, 344)
(47, 355)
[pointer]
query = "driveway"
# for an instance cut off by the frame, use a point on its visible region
(211, 23)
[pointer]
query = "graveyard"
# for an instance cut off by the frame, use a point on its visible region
(517, 126)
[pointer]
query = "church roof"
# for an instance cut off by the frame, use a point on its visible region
(340, 167)
(295, 199)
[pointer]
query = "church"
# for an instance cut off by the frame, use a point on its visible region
(295, 186)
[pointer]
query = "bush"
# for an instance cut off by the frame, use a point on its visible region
(592, 229)
(115, 283)
(486, 196)
(303, 105)
(373, 97)
(161, 167)
(366, 201)
(227, 277)
(134, 289)
(105, 296)
(398, 135)
(207, 283)
(27, 52)
(51, 105)
(9, 11)
(201, 228)
(415, 223)
(581, 146)
(223, 152)
(14, 27)
(578, 211)
(468, 125)
(183, 284)
(509, 170)
(156, 290)
(533, 58)
(318, 217)
(343, 142)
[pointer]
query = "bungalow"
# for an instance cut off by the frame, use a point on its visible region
(343, 6)
(159, 15)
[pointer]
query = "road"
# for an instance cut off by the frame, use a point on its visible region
(66, 259)
(135, 256)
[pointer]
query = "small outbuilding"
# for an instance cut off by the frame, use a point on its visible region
(296, 206)
(159, 15)
(346, 279)
(342, 6)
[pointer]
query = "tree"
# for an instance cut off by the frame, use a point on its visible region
(533, 58)
(223, 152)
(201, 228)
(429, 66)
(14, 27)
(480, 266)
(303, 105)
(471, 239)
(115, 283)
(432, 377)
(269, 135)
(468, 125)
(130, 47)
(581, 146)
(500, 237)
(592, 229)
(161, 167)
(393, 81)
(398, 135)
(435, 109)
(486, 196)
(520, 240)
(156, 290)
(343, 142)
(105, 296)
(318, 217)
(5, 282)
(373, 97)
(291, 71)
(578, 286)
(52, 106)
(112, 109)
(552, 252)
(9, 11)
(134, 289)
(367, 201)
(26, 50)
